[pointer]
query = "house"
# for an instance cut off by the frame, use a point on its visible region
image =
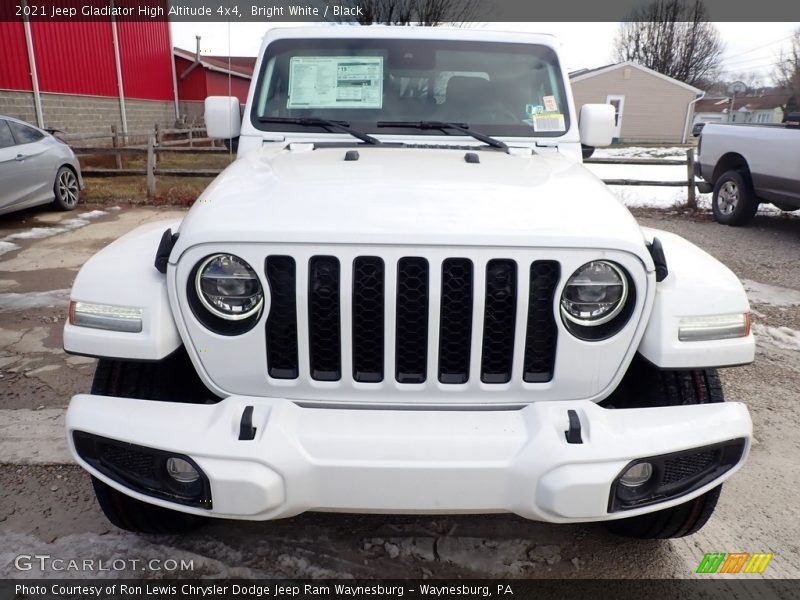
(762, 108)
(199, 76)
(85, 75)
(650, 107)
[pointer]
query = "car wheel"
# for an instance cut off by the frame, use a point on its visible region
(647, 385)
(734, 201)
(66, 188)
(171, 379)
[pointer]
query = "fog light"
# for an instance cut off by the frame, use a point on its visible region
(637, 475)
(181, 471)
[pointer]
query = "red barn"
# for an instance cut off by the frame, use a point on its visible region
(200, 76)
(86, 75)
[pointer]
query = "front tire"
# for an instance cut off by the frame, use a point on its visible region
(172, 379)
(66, 188)
(734, 201)
(647, 386)
(134, 515)
(678, 521)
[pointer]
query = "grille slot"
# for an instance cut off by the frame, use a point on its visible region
(368, 304)
(542, 333)
(499, 318)
(281, 327)
(455, 321)
(411, 341)
(686, 466)
(324, 326)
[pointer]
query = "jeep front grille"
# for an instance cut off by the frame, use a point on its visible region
(363, 298)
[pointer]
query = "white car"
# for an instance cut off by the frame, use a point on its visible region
(36, 168)
(407, 295)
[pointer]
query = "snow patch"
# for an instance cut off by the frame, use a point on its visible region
(782, 337)
(93, 214)
(764, 293)
(12, 301)
(39, 233)
(7, 247)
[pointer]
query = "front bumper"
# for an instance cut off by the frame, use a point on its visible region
(408, 461)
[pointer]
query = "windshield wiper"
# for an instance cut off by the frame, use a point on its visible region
(443, 125)
(317, 122)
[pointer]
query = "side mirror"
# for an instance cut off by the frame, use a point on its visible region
(596, 124)
(222, 117)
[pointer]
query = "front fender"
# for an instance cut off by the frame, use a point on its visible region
(123, 274)
(697, 285)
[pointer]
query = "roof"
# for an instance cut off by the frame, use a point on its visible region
(239, 66)
(582, 74)
(743, 103)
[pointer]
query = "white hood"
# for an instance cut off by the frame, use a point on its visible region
(410, 196)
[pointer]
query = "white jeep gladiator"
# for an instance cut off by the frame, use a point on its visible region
(407, 295)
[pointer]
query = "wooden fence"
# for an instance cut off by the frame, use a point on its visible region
(689, 182)
(157, 144)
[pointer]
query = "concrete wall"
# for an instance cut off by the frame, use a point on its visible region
(654, 110)
(84, 114)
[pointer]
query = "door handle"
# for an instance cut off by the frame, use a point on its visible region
(20, 157)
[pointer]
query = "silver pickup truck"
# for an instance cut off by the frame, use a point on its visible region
(745, 165)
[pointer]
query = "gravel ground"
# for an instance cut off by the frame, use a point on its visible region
(47, 507)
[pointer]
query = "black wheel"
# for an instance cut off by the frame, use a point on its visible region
(66, 189)
(172, 379)
(137, 516)
(734, 201)
(645, 385)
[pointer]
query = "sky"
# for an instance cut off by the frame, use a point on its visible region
(748, 46)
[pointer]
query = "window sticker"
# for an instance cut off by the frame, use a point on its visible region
(548, 121)
(550, 104)
(533, 109)
(335, 82)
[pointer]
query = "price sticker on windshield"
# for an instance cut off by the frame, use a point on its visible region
(335, 82)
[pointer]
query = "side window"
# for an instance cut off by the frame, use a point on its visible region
(24, 134)
(6, 139)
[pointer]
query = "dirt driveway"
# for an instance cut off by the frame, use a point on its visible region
(46, 505)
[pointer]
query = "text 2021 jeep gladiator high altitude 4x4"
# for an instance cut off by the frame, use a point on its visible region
(407, 295)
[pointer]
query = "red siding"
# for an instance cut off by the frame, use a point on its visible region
(217, 85)
(146, 59)
(193, 86)
(75, 57)
(14, 69)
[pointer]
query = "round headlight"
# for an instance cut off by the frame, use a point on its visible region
(228, 287)
(595, 294)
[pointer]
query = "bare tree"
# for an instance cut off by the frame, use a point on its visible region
(673, 37)
(410, 12)
(787, 71)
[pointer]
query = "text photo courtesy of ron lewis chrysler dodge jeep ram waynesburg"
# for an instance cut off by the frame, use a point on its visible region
(378, 308)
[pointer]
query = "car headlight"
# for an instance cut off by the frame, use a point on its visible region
(228, 287)
(596, 300)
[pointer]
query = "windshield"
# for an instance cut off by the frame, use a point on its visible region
(496, 88)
